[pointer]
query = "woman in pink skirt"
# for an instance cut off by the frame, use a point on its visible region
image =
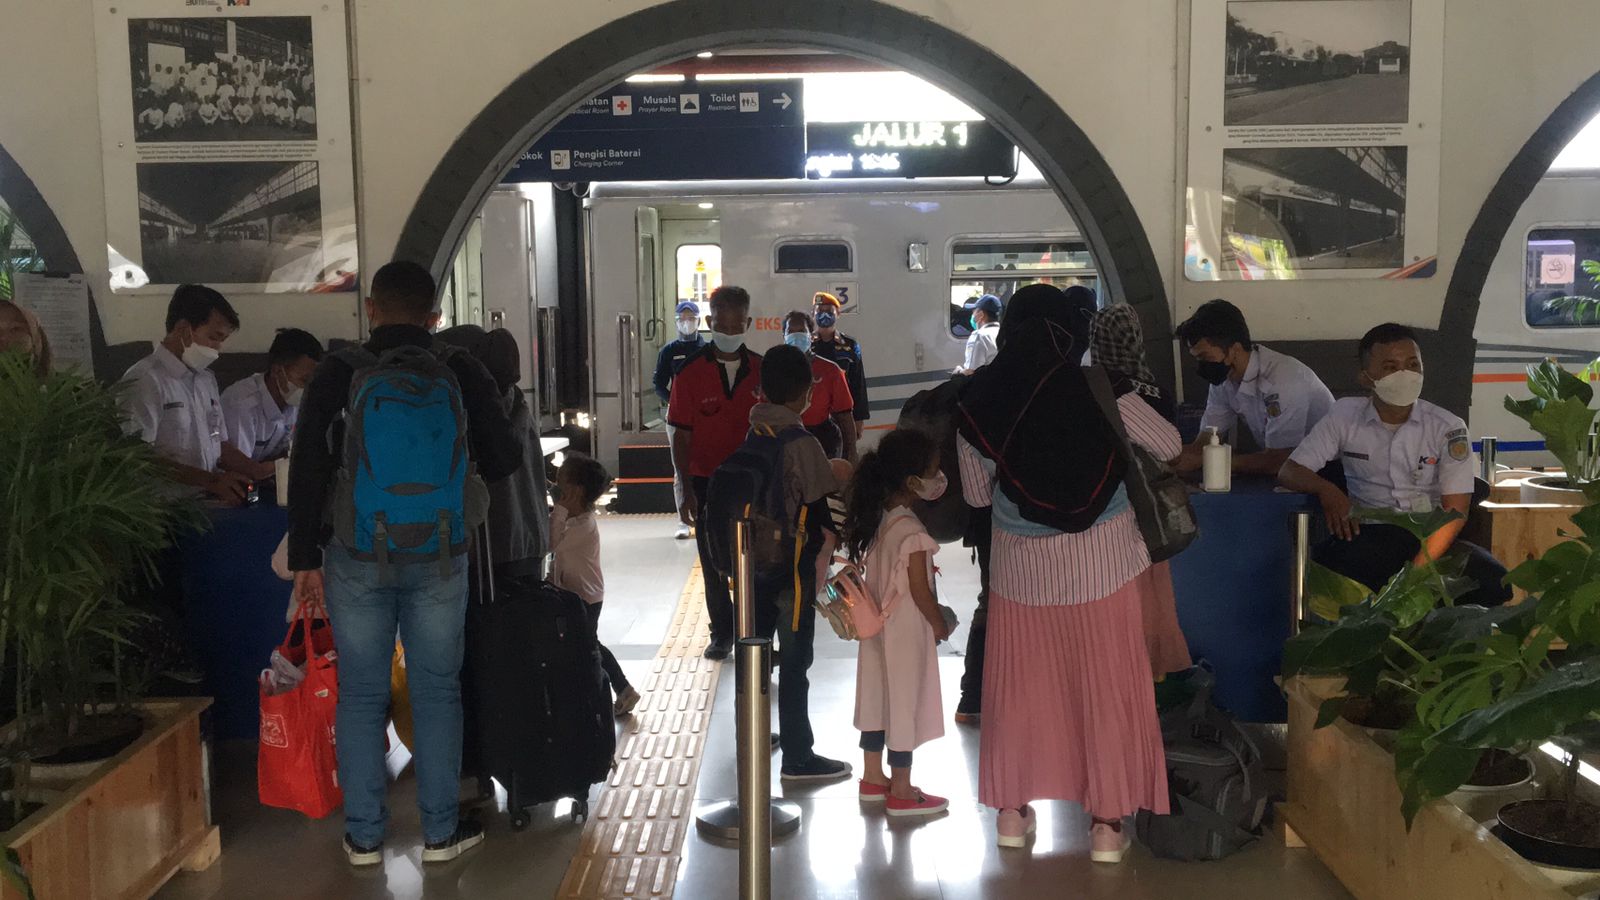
(1069, 707)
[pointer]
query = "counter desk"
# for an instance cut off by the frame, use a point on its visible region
(1233, 592)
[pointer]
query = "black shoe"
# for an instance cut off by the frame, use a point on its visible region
(817, 768)
(719, 648)
(467, 836)
(968, 711)
(775, 741)
(360, 855)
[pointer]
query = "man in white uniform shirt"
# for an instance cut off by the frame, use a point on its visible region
(1279, 397)
(1400, 453)
(259, 412)
(985, 323)
(171, 400)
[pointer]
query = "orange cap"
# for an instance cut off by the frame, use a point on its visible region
(823, 298)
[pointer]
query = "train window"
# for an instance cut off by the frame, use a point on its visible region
(812, 257)
(1001, 267)
(1562, 278)
(699, 271)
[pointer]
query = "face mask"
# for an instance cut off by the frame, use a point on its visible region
(687, 328)
(800, 340)
(826, 319)
(292, 393)
(1213, 372)
(727, 343)
(932, 489)
(1399, 388)
(972, 322)
(199, 358)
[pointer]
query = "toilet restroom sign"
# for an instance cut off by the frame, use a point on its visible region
(847, 293)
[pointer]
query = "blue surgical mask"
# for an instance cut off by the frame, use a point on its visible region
(727, 343)
(826, 319)
(800, 340)
(972, 321)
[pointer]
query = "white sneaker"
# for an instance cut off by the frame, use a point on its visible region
(683, 532)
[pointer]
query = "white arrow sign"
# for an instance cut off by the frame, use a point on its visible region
(783, 100)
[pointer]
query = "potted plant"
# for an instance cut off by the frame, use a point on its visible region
(1559, 411)
(17, 253)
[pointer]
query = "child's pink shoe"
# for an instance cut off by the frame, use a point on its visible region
(920, 804)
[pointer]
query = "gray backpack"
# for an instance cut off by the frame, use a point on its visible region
(1215, 782)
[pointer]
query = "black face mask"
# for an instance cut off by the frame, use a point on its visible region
(1213, 372)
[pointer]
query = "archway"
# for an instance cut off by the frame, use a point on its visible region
(496, 137)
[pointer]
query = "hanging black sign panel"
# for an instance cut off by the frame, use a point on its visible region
(890, 149)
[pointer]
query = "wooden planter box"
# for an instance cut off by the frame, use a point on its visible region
(121, 832)
(1344, 805)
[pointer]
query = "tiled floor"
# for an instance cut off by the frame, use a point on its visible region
(841, 851)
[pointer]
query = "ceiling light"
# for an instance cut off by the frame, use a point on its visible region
(706, 205)
(705, 54)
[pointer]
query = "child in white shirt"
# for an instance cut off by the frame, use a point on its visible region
(575, 540)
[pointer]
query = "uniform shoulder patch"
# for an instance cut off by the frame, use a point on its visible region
(1458, 445)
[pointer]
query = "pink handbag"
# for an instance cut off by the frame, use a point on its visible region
(848, 605)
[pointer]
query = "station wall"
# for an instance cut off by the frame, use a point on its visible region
(423, 70)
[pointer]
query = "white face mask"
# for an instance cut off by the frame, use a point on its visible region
(727, 343)
(292, 393)
(199, 357)
(687, 328)
(933, 488)
(1399, 388)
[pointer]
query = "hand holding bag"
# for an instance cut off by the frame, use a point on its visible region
(1159, 498)
(296, 767)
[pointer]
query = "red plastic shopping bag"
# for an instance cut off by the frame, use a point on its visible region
(296, 767)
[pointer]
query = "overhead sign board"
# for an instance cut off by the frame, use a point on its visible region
(675, 131)
(888, 149)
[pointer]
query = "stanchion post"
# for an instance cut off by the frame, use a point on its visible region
(1300, 566)
(1488, 457)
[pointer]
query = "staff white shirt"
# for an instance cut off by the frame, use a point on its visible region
(575, 540)
(981, 346)
(175, 409)
(252, 421)
(1407, 468)
(1280, 398)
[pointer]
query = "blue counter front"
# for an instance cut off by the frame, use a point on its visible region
(1232, 587)
(235, 608)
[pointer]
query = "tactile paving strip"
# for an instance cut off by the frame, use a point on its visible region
(633, 842)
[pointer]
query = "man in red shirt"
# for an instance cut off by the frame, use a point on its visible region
(709, 412)
(831, 416)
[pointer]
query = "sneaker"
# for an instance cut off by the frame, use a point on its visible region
(1107, 843)
(683, 532)
(923, 804)
(719, 648)
(968, 711)
(626, 701)
(467, 836)
(362, 856)
(871, 793)
(817, 768)
(1014, 827)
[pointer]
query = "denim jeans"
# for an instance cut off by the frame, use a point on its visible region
(428, 611)
(774, 609)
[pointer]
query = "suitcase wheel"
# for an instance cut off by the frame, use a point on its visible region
(580, 811)
(519, 820)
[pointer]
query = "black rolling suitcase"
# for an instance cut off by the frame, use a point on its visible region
(539, 703)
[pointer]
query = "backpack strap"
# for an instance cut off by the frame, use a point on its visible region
(799, 549)
(1213, 821)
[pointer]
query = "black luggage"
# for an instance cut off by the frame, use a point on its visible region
(539, 704)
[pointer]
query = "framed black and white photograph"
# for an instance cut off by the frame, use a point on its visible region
(230, 222)
(222, 79)
(1317, 62)
(1290, 209)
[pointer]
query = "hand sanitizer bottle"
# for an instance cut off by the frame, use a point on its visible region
(1217, 464)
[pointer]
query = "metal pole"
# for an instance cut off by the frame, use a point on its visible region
(1301, 563)
(754, 818)
(1488, 458)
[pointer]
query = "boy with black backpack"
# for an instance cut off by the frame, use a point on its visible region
(394, 440)
(781, 478)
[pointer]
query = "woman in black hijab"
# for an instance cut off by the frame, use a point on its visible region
(1068, 706)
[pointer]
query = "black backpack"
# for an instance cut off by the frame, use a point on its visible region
(1215, 782)
(750, 482)
(935, 413)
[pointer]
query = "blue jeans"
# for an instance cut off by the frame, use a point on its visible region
(429, 613)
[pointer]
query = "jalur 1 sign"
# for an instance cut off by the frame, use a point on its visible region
(907, 150)
(666, 132)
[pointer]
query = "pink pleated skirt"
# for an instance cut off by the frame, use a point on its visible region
(1163, 638)
(1069, 708)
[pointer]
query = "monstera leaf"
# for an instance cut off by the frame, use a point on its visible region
(1559, 411)
(1426, 770)
(1336, 646)
(1328, 593)
(1449, 626)
(1561, 700)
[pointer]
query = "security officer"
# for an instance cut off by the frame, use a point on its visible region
(1279, 397)
(1400, 453)
(982, 345)
(259, 412)
(673, 356)
(842, 350)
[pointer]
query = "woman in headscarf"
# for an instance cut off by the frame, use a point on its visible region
(19, 330)
(1117, 341)
(1069, 709)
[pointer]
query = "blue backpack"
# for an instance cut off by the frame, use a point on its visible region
(407, 492)
(750, 483)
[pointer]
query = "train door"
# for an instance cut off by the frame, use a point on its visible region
(461, 296)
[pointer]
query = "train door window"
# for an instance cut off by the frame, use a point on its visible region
(1562, 278)
(811, 257)
(699, 271)
(1000, 267)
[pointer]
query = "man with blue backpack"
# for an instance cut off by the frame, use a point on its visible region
(394, 443)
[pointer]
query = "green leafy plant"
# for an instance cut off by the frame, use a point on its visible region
(1584, 309)
(83, 514)
(1559, 411)
(17, 253)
